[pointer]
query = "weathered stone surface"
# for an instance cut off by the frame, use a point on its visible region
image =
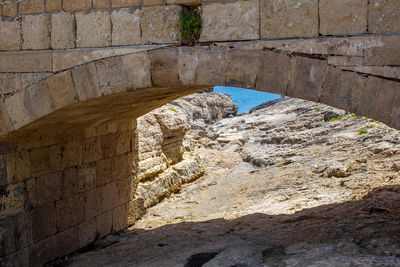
(62, 89)
(306, 78)
(69, 212)
(160, 24)
(31, 7)
(126, 27)
(43, 222)
(137, 68)
(152, 2)
(10, 37)
(274, 74)
(75, 5)
(62, 31)
(10, 10)
(87, 232)
(343, 17)
(384, 16)
(239, 73)
(211, 69)
(230, 21)
(15, 106)
(164, 67)
(343, 89)
(101, 3)
(125, 3)
(53, 6)
(111, 76)
(14, 82)
(385, 52)
(292, 18)
(93, 29)
(185, 2)
(35, 31)
(86, 81)
(25, 62)
(18, 166)
(38, 100)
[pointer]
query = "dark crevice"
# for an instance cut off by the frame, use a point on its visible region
(198, 260)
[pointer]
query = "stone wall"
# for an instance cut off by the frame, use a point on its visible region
(67, 24)
(60, 192)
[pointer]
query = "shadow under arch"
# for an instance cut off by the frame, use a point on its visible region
(359, 233)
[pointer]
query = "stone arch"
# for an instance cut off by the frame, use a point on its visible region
(70, 137)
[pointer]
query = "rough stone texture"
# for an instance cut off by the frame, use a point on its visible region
(25, 63)
(159, 24)
(93, 29)
(291, 18)
(230, 21)
(62, 89)
(10, 38)
(62, 31)
(86, 81)
(164, 67)
(101, 3)
(35, 31)
(125, 3)
(75, 5)
(137, 67)
(385, 53)
(384, 16)
(31, 7)
(126, 27)
(240, 74)
(53, 6)
(10, 10)
(343, 17)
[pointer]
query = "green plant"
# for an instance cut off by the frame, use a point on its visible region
(190, 27)
(362, 132)
(335, 118)
(316, 110)
(372, 126)
(172, 109)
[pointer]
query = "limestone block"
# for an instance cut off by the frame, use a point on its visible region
(76, 5)
(188, 62)
(31, 196)
(87, 232)
(230, 21)
(108, 145)
(242, 68)
(290, 18)
(86, 177)
(70, 212)
(43, 222)
(105, 171)
(160, 24)
(86, 81)
(104, 224)
(125, 3)
(152, 2)
(48, 188)
(19, 258)
(35, 31)
(184, 2)
(10, 37)
(135, 210)
(126, 189)
(62, 89)
(93, 29)
(211, 69)
(137, 68)
(274, 73)
(379, 93)
(111, 76)
(10, 10)
(386, 52)
(110, 196)
(40, 161)
(26, 62)
(120, 218)
(343, 16)
(70, 185)
(74, 152)
(53, 6)
(38, 100)
(164, 67)
(92, 149)
(15, 106)
(343, 89)
(62, 31)
(7, 236)
(18, 166)
(384, 16)
(123, 142)
(97, 4)
(125, 27)
(93, 203)
(306, 78)
(31, 7)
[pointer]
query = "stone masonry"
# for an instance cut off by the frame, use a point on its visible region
(75, 75)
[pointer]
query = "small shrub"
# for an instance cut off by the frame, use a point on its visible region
(362, 132)
(335, 118)
(190, 26)
(316, 110)
(172, 109)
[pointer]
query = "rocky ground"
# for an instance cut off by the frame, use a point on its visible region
(294, 183)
